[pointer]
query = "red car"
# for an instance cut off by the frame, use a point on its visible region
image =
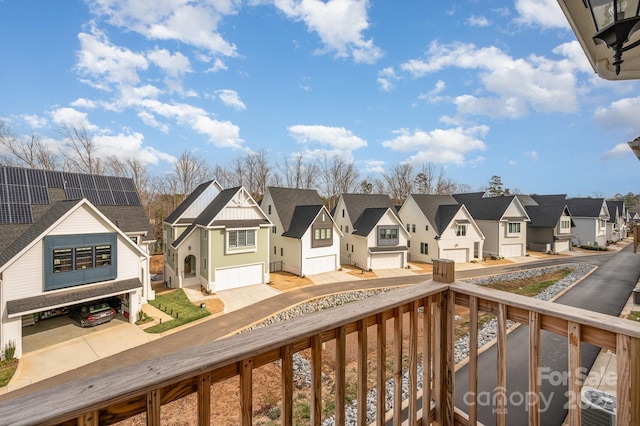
(94, 313)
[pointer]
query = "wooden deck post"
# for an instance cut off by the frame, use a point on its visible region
(444, 270)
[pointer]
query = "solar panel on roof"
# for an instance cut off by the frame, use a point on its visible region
(114, 183)
(4, 213)
(73, 193)
(120, 198)
(71, 180)
(91, 195)
(39, 195)
(54, 179)
(132, 198)
(127, 184)
(18, 194)
(106, 197)
(20, 213)
(36, 177)
(16, 176)
(86, 182)
(102, 182)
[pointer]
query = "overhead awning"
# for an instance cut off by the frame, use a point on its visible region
(388, 249)
(59, 299)
(462, 222)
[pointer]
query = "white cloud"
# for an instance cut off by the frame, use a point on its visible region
(130, 146)
(620, 150)
(621, 114)
(386, 77)
(218, 65)
(433, 95)
(536, 82)
(104, 63)
(150, 120)
(230, 98)
(338, 138)
(532, 154)
(35, 121)
(84, 103)
(174, 65)
(478, 21)
(374, 166)
(544, 13)
(338, 23)
(72, 117)
(191, 22)
(439, 145)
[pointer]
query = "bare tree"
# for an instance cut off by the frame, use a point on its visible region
(298, 173)
(338, 177)
(31, 152)
(82, 153)
(188, 172)
(400, 181)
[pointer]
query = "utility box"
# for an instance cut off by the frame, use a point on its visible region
(636, 296)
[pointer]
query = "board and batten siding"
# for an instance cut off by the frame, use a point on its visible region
(309, 252)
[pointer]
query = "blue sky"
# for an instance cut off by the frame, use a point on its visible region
(479, 88)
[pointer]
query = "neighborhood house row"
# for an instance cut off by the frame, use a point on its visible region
(71, 238)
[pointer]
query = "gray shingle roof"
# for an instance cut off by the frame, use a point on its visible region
(488, 208)
(301, 220)
(584, 207)
(368, 220)
(356, 204)
(438, 209)
(286, 200)
(546, 216)
(15, 237)
(183, 206)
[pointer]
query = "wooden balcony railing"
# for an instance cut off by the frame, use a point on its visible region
(427, 310)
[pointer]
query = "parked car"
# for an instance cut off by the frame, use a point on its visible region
(94, 313)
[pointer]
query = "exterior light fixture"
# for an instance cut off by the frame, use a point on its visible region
(615, 21)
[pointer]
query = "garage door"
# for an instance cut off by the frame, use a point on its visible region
(318, 265)
(386, 261)
(561, 246)
(239, 276)
(457, 255)
(511, 250)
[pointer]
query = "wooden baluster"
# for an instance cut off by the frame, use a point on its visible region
(534, 369)
(381, 369)
(427, 335)
(501, 374)
(397, 366)
(246, 391)
(413, 363)
(341, 383)
(575, 376)
(316, 380)
(362, 371)
(473, 360)
(287, 386)
(153, 408)
(204, 399)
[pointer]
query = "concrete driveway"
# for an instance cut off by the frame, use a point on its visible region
(68, 355)
(239, 298)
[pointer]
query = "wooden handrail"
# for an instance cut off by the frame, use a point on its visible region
(147, 386)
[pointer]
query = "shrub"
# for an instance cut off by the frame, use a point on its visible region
(10, 350)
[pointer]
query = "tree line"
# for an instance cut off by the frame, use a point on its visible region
(160, 195)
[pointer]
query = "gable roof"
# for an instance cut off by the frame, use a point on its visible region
(301, 219)
(176, 214)
(209, 214)
(31, 200)
(368, 219)
(356, 204)
(585, 207)
(487, 208)
(287, 200)
(438, 209)
(550, 199)
(546, 216)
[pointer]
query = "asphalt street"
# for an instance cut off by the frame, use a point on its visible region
(606, 290)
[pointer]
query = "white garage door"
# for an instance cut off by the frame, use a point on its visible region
(318, 265)
(457, 255)
(240, 276)
(511, 250)
(562, 246)
(386, 261)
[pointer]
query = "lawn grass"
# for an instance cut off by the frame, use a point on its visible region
(634, 316)
(7, 370)
(177, 304)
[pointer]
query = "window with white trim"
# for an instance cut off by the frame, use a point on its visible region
(461, 230)
(513, 228)
(241, 239)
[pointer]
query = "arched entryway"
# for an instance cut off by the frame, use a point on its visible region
(190, 266)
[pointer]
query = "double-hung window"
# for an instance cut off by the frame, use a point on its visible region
(513, 228)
